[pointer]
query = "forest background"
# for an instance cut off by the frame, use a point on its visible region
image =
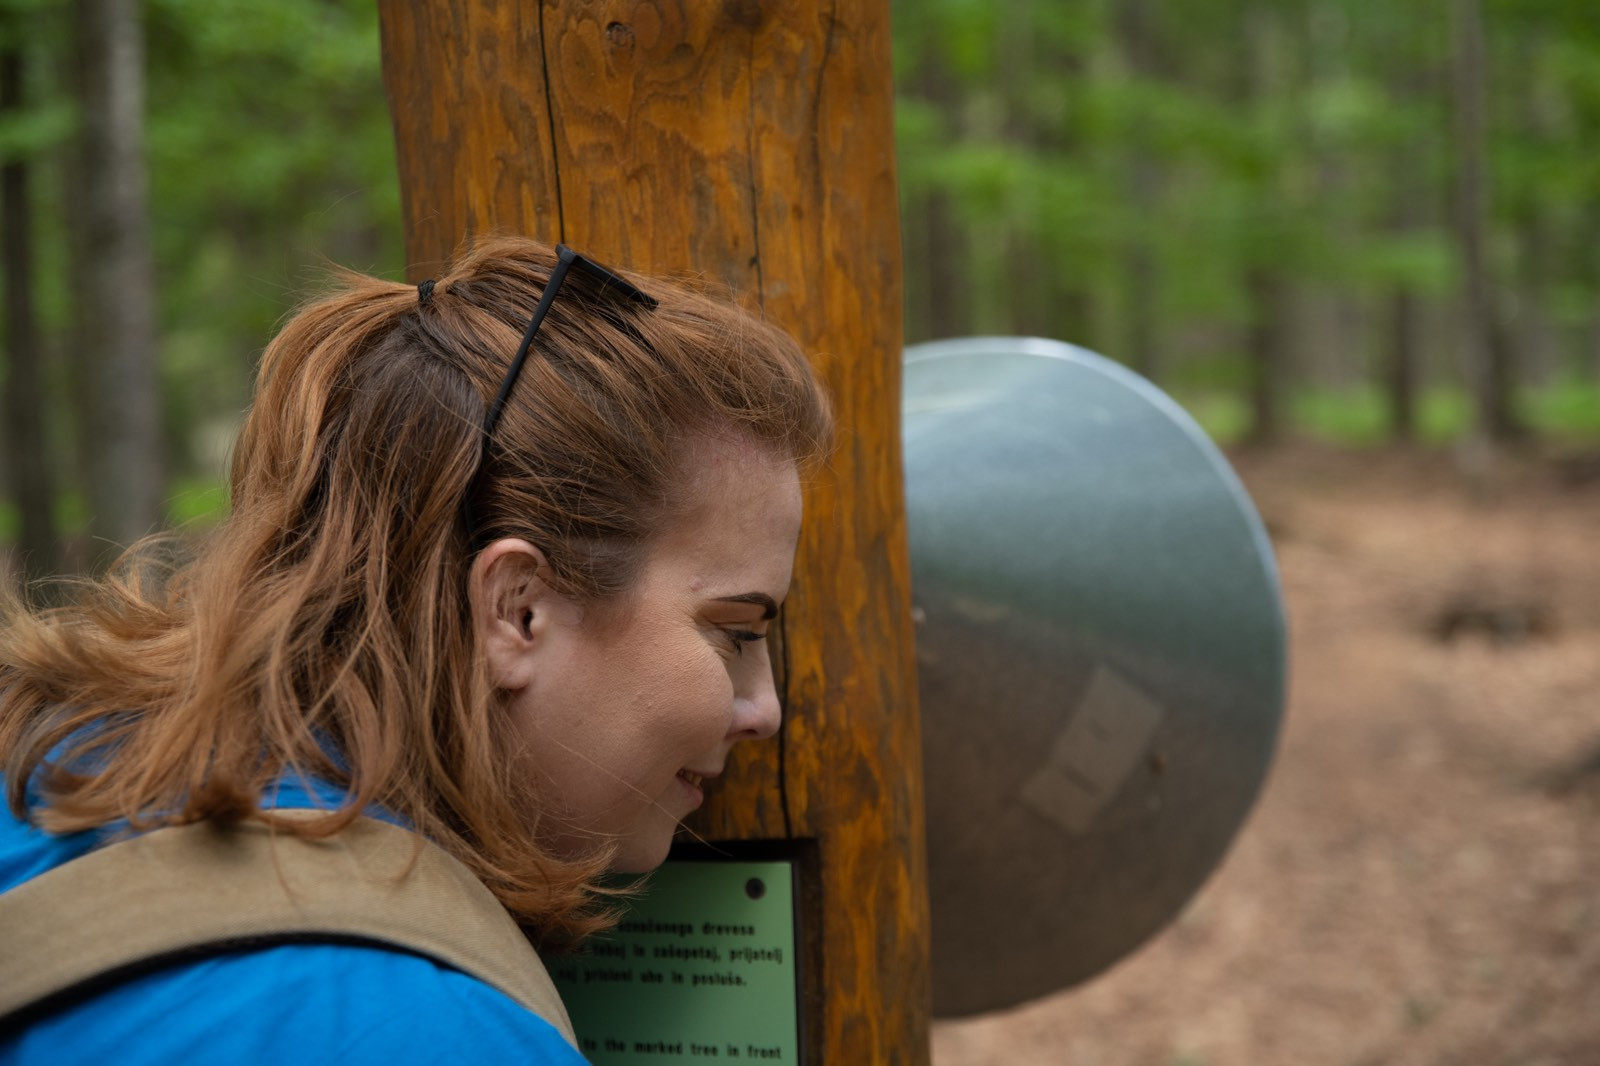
(1339, 218)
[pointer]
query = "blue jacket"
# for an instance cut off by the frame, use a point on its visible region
(299, 1003)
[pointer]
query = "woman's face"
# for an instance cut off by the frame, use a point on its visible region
(629, 707)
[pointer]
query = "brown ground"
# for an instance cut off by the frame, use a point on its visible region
(1420, 883)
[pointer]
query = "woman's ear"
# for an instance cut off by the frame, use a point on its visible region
(511, 605)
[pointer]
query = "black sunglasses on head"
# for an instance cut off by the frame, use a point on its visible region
(566, 260)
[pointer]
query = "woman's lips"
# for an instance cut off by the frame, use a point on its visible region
(694, 783)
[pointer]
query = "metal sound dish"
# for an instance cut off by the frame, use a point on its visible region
(1101, 659)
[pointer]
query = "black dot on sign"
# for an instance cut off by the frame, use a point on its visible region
(755, 888)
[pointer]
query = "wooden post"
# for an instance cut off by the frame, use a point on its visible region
(751, 142)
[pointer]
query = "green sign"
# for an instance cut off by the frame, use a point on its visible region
(702, 969)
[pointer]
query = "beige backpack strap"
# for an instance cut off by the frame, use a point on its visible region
(185, 888)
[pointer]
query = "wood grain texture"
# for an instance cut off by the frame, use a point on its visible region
(751, 144)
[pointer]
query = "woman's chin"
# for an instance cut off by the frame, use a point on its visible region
(640, 856)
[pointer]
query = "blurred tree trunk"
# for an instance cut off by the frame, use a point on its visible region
(1136, 40)
(1487, 349)
(1400, 363)
(26, 449)
(1266, 281)
(1266, 343)
(1330, 319)
(949, 312)
(1023, 271)
(1409, 81)
(1591, 364)
(1532, 339)
(121, 425)
(940, 257)
(1046, 293)
(1531, 332)
(1584, 356)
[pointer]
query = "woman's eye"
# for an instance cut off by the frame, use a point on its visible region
(740, 637)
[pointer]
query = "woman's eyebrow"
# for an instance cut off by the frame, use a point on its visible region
(768, 604)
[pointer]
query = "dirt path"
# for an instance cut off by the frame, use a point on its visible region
(1421, 881)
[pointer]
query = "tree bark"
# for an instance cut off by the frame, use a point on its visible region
(947, 265)
(26, 444)
(1400, 364)
(1028, 297)
(944, 264)
(1267, 341)
(1488, 349)
(1134, 22)
(1413, 78)
(752, 143)
(1531, 332)
(121, 427)
(936, 251)
(1269, 332)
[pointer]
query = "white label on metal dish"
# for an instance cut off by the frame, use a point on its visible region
(1093, 753)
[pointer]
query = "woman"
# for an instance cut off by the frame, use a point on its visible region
(503, 552)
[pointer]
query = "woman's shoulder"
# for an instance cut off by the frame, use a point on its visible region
(365, 1003)
(26, 851)
(345, 1003)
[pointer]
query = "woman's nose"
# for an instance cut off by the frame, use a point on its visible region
(757, 712)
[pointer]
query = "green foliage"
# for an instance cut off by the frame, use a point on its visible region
(1223, 415)
(1358, 417)
(1101, 171)
(31, 131)
(1153, 161)
(270, 153)
(197, 503)
(1351, 416)
(284, 161)
(1565, 410)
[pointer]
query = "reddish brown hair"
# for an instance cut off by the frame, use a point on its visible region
(324, 629)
